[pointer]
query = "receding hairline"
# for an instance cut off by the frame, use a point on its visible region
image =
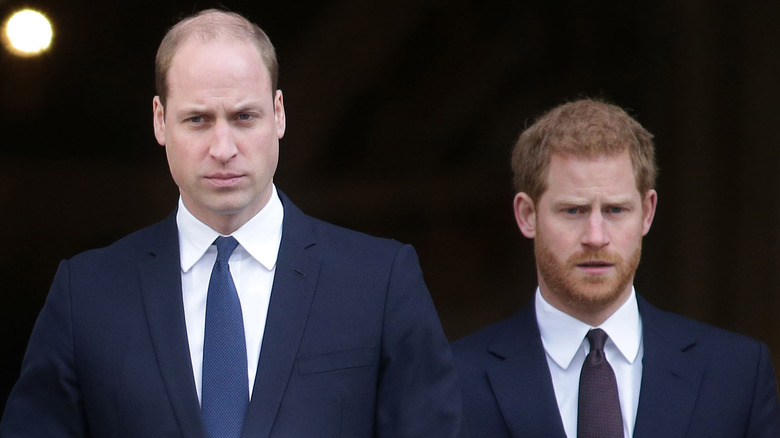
(217, 39)
(207, 26)
(212, 24)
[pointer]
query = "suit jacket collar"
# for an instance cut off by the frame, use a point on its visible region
(521, 380)
(160, 277)
(670, 377)
(297, 269)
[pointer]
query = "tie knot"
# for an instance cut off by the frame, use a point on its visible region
(225, 247)
(597, 338)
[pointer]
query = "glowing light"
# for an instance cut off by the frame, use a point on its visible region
(27, 33)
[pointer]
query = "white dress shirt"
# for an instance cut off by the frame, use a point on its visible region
(252, 265)
(563, 338)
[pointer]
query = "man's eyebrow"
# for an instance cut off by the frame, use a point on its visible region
(249, 107)
(606, 200)
(251, 103)
(619, 200)
(571, 200)
(192, 109)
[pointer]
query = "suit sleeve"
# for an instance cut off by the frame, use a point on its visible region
(46, 400)
(418, 394)
(765, 413)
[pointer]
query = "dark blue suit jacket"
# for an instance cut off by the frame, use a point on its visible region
(697, 381)
(352, 344)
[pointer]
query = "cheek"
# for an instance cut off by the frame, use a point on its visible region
(188, 146)
(558, 244)
(631, 238)
(264, 149)
(181, 161)
(174, 163)
(561, 236)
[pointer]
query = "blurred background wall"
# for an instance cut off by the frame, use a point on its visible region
(401, 117)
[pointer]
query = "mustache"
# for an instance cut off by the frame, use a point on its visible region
(594, 256)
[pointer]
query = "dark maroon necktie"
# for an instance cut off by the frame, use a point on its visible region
(598, 413)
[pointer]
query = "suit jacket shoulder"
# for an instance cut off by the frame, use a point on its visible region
(358, 349)
(344, 245)
(700, 380)
(151, 241)
(506, 383)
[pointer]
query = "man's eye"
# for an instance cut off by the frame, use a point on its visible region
(615, 210)
(573, 210)
(244, 117)
(196, 119)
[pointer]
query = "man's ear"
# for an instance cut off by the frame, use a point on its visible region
(648, 210)
(158, 115)
(525, 215)
(279, 117)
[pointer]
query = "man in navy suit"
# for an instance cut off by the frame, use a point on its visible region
(584, 173)
(341, 336)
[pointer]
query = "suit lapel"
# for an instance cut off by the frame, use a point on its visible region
(670, 378)
(291, 296)
(160, 279)
(521, 381)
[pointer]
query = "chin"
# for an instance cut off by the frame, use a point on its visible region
(597, 294)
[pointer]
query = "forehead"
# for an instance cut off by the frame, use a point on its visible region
(221, 62)
(611, 174)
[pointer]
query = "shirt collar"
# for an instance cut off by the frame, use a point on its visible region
(260, 237)
(562, 334)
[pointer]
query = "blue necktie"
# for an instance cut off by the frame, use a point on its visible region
(598, 413)
(225, 389)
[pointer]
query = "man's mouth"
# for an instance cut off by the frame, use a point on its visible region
(598, 267)
(222, 179)
(595, 264)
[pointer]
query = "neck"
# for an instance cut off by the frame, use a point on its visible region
(223, 223)
(225, 220)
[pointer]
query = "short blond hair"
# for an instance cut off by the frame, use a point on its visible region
(583, 128)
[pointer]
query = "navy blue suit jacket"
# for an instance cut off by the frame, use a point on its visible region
(352, 344)
(697, 381)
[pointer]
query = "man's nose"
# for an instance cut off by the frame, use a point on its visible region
(223, 146)
(595, 234)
